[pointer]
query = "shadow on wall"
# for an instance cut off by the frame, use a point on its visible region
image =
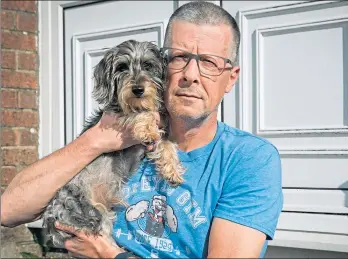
(344, 188)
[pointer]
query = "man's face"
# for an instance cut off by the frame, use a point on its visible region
(191, 94)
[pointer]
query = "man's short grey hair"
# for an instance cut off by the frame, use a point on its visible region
(200, 13)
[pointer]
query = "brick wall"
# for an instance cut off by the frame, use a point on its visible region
(19, 107)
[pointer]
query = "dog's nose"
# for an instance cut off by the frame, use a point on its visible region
(138, 91)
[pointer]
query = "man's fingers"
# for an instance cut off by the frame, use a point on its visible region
(69, 245)
(157, 117)
(149, 147)
(161, 121)
(65, 228)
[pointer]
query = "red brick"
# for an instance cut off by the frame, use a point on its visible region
(8, 59)
(27, 61)
(18, 40)
(26, 138)
(7, 20)
(28, 6)
(22, 118)
(27, 99)
(19, 156)
(9, 98)
(26, 22)
(9, 137)
(7, 174)
(18, 79)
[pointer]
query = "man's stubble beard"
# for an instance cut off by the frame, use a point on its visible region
(189, 121)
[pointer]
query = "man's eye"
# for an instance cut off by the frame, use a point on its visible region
(180, 57)
(208, 62)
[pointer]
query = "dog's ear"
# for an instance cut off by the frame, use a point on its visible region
(157, 52)
(103, 86)
(154, 49)
(100, 90)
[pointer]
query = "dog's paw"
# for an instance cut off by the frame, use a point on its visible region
(148, 134)
(174, 175)
(145, 128)
(167, 162)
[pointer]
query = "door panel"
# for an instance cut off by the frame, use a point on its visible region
(88, 31)
(293, 91)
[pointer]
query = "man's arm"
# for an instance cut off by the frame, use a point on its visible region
(30, 191)
(249, 205)
(230, 240)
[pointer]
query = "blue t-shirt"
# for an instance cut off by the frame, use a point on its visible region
(237, 176)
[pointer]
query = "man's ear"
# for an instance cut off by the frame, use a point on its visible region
(233, 76)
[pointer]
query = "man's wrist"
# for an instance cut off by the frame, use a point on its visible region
(90, 141)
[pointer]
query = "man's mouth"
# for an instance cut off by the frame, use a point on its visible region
(188, 96)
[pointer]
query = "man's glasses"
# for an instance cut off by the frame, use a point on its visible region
(211, 65)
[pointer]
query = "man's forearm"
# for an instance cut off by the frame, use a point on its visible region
(30, 191)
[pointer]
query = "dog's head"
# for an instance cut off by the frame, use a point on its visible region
(130, 78)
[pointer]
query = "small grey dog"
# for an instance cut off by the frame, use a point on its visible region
(130, 80)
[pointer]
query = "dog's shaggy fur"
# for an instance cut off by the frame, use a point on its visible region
(130, 81)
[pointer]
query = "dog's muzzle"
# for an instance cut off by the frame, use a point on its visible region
(138, 91)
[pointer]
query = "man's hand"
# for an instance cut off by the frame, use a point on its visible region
(82, 245)
(107, 136)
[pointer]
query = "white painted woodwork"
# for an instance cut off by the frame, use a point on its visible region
(103, 25)
(293, 91)
(313, 200)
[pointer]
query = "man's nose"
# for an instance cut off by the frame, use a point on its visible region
(191, 72)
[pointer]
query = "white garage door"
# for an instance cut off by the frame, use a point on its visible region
(293, 90)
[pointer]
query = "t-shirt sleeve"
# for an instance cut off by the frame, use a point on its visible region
(252, 191)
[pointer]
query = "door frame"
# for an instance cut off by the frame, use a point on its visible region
(52, 99)
(51, 74)
(52, 134)
(51, 77)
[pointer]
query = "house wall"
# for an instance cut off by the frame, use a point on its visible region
(19, 107)
(20, 115)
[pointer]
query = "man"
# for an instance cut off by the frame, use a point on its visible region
(231, 199)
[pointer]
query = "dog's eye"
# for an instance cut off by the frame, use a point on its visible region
(121, 67)
(147, 66)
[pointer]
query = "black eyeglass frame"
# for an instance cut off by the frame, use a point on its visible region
(197, 58)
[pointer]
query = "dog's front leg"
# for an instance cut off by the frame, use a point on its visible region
(145, 128)
(167, 162)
